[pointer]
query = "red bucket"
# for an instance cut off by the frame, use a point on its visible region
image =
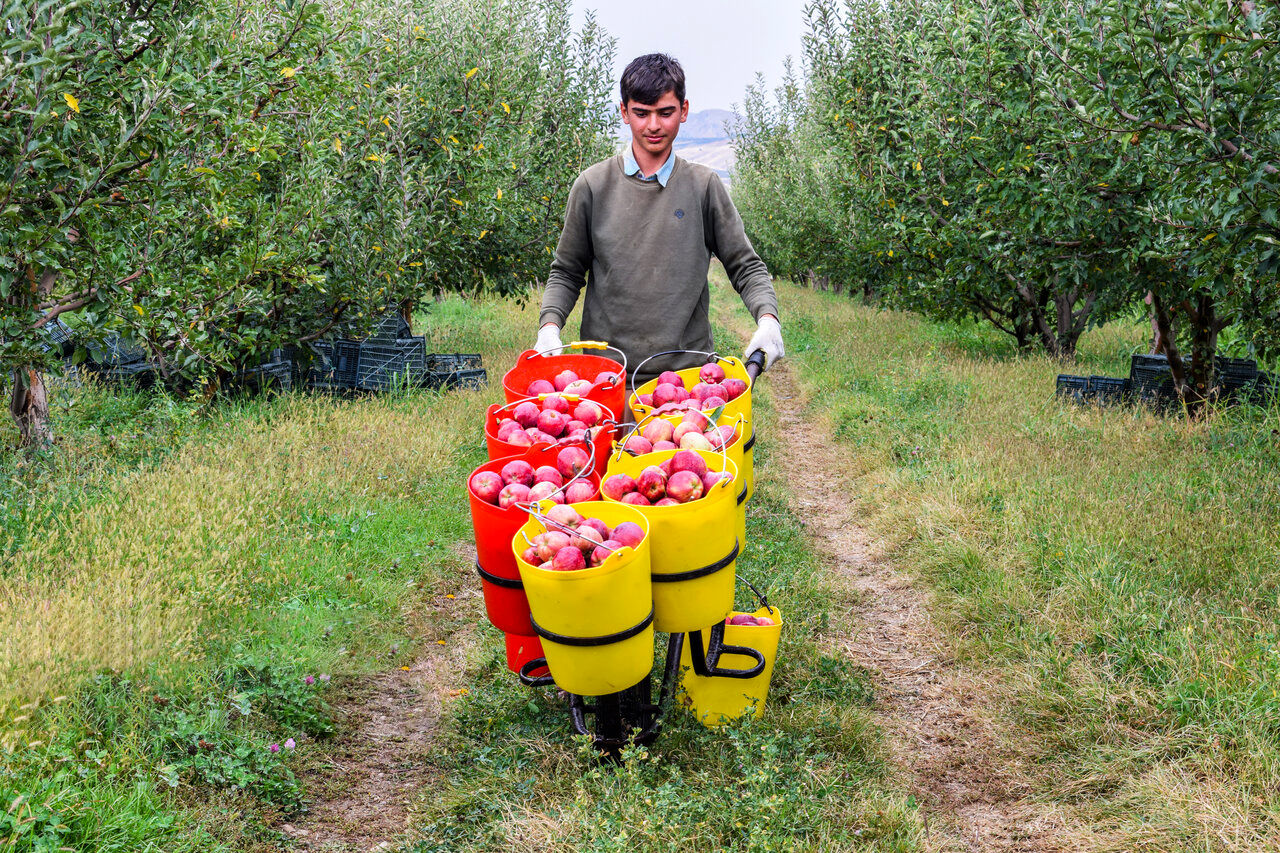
(494, 527)
(602, 443)
(530, 366)
(521, 650)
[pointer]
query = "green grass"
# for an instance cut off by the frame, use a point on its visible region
(1117, 569)
(179, 577)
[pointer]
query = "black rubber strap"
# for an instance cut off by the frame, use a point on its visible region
(742, 495)
(592, 641)
(497, 581)
(751, 442)
(701, 572)
(527, 677)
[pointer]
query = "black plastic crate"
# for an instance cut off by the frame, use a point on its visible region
(61, 338)
(140, 374)
(390, 328)
(1107, 389)
(1072, 387)
(344, 369)
(1244, 370)
(415, 352)
(449, 362)
(383, 367)
(1265, 389)
(275, 375)
(471, 378)
(115, 351)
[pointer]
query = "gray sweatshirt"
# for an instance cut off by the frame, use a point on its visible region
(643, 251)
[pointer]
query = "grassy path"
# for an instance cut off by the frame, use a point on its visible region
(937, 717)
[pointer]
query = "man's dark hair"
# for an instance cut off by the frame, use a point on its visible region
(651, 76)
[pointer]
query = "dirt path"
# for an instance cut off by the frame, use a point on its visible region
(934, 715)
(358, 796)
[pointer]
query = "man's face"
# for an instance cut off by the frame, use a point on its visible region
(654, 126)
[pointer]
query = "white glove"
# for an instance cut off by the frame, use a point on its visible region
(549, 340)
(768, 337)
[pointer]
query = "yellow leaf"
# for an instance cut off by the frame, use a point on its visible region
(507, 108)
(499, 194)
(453, 139)
(257, 177)
(472, 73)
(138, 308)
(72, 101)
(288, 72)
(377, 248)
(374, 157)
(1209, 236)
(946, 203)
(482, 233)
(918, 167)
(337, 145)
(891, 253)
(386, 121)
(456, 201)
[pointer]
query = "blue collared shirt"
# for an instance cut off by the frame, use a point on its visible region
(631, 167)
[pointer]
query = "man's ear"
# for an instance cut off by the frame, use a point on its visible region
(684, 110)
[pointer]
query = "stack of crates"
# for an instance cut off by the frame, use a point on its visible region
(455, 370)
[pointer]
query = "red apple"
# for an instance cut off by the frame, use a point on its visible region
(519, 438)
(551, 422)
(568, 559)
(579, 490)
(517, 471)
(652, 483)
(695, 441)
(506, 429)
(645, 399)
(684, 486)
(587, 412)
(670, 377)
(545, 491)
(710, 478)
(618, 485)
(597, 525)
(571, 461)
(550, 542)
(539, 386)
(605, 377)
(638, 445)
(629, 533)
(526, 413)
(586, 540)
(513, 493)
(556, 403)
(635, 499)
(566, 516)
(683, 429)
(563, 378)
(664, 445)
(548, 474)
(668, 501)
(710, 404)
(741, 619)
(711, 373)
(658, 430)
(605, 550)
(486, 485)
(530, 556)
(687, 460)
(579, 388)
(734, 388)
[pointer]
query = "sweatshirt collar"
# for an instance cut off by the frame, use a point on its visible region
(631, 167)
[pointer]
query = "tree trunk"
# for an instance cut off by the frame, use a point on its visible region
(29, 405)
(1194, 385)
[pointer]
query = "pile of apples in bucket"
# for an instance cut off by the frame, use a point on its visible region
(712, 390)
(575, 542)
(521, 483)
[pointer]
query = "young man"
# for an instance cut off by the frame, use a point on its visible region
(639, 231)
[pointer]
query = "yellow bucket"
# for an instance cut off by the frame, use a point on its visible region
(733, 368)
(716, 701)
(694, 549)
(596, 624)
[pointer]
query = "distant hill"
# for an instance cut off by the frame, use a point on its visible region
(702, 139)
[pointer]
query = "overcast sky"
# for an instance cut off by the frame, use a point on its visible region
(720, 43)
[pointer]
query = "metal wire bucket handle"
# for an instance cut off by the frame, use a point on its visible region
(711, 356)
(764, 602)
(586, 345)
